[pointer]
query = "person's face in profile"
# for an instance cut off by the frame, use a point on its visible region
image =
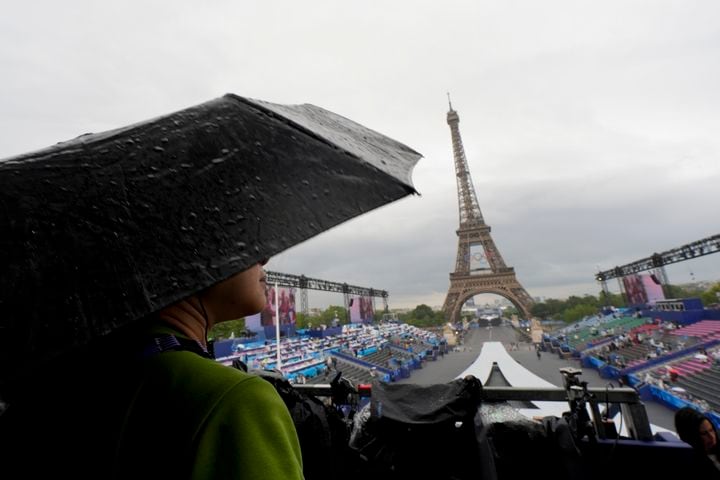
(707, 435)
(240, 295)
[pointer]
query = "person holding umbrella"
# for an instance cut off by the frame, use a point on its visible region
(120, 250)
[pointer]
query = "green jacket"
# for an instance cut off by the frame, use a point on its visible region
(169, 415)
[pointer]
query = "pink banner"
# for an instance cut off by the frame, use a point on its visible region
(634, 289)
(642, 289)
(286, 305)
(653, 288)
(361, 309)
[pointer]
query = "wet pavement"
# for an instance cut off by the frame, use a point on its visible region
(451, 365)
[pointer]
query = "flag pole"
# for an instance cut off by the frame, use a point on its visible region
(277, 329)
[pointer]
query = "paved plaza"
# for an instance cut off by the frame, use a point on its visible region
(451, 365)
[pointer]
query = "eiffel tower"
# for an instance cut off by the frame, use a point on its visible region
(479, 267)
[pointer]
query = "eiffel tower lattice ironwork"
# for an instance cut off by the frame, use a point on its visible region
(490, 273)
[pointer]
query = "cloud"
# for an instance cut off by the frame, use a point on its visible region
(590, 128)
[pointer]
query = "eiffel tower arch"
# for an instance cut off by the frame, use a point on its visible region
(479, 267)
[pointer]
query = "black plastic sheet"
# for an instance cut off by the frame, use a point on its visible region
(107, 228)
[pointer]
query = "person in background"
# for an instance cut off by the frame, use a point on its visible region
(697, 430)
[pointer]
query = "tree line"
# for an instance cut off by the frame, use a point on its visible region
(570, 310)
(576, 308)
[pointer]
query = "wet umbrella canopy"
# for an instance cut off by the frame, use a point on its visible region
(107, 228)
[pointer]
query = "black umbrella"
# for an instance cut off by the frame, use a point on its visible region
(107, 228)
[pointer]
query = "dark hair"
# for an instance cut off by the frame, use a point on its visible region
(687, 425)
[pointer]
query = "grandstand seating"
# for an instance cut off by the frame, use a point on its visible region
(379, 358)
(393, 349)
(678, 341)
(686, 367)
(676, 348)
(355, 373)
(704, 384)
(704, 329)
(635, 354)
(578, 339)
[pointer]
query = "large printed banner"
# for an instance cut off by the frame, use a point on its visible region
(634, 290)
(643, 289)
(286, 305)
(361, 310)
(653, 289)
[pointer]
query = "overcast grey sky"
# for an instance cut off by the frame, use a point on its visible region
(590, 128)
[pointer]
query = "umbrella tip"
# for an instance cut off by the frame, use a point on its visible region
(449, 102)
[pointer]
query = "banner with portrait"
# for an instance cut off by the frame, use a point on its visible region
(361, 310)
(643, 289)
(286, 307)
(634, 290)
(653, 288)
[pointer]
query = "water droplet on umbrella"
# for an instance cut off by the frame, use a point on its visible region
(225, 151)
(186, 165)
(164, 139)
(305, 182)
(158, 149)
(218, 160)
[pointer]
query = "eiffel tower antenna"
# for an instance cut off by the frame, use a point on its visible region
(490, 273)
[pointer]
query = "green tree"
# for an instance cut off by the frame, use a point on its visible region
(227, 329)
(611, 299)
(304, 321)
(683, 291)
(555, 306)
(712, 295)
(577, 312)
(540, 310)
(423, 316)
(327, 316)
(574, 308)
